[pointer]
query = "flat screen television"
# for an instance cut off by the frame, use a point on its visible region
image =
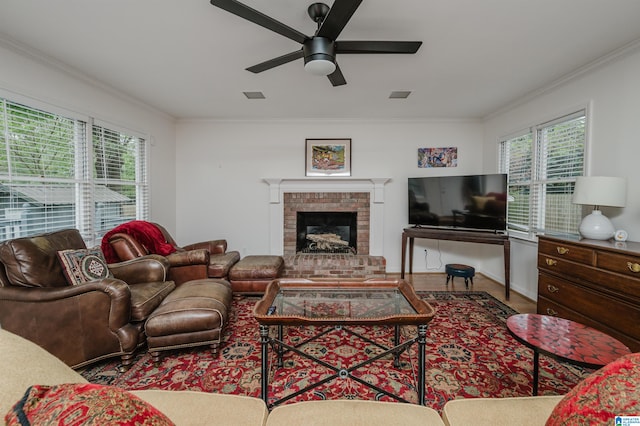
(473, 202)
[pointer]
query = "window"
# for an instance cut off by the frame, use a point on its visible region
(542, 164)
(59, 171)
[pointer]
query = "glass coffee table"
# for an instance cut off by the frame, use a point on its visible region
(341, 303)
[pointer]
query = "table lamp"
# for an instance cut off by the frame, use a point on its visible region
(599, 191)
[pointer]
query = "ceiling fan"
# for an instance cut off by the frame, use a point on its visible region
(319, 51)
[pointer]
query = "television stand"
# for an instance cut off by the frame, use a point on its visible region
(457, 235)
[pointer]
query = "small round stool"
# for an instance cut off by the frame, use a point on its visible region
(459, 270)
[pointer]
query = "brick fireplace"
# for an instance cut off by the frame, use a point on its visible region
(365, 197)
(296, 202)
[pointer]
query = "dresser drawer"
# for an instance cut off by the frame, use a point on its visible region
(562, 291)
(612, 312)
(566, 251)
(549, 307)
(627, 265)
(599, 279)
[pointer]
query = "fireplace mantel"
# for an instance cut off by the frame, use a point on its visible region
(280, 186)
(277, 186)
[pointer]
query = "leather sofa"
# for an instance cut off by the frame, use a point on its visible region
(206, 259)
(82, 323)
(23, 364)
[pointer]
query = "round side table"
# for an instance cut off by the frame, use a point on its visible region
(564, 340)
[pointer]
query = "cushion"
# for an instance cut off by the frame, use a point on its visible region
(83, 404)
(81, 266)
(609, 392)
(33, 261)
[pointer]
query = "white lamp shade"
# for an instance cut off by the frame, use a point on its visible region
(600, 191)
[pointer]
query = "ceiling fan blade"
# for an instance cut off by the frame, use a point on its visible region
(377, 46)
(336, 78)
(259, 18)
(337, 18)
(280, 60)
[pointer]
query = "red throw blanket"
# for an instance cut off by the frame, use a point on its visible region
(147, 234)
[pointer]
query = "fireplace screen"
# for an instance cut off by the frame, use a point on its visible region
(326, 232)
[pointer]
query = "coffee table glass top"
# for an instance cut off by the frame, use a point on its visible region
(305, 301)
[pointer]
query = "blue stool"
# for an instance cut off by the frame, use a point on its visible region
(459, 270)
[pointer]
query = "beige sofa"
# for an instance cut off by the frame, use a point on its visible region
(23, 363)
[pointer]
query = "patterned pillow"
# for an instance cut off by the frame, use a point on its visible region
(605, 394)
(81, 266)
(83, 404)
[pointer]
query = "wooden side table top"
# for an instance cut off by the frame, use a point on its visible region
(566, 340)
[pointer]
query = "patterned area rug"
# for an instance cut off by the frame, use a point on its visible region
(470, 354)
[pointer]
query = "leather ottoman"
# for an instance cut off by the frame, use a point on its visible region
(253, 273)
(194, 314)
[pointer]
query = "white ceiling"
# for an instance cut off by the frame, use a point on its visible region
(188, 58)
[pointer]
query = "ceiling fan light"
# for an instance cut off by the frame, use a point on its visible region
(320, 67)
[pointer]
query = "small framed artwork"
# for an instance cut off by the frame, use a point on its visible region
(437, 157)
(328, 157)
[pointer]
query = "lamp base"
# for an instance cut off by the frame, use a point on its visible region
(596, 226)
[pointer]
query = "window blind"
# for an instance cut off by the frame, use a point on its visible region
(542, 164)
(560, 152)
(59, 172)
(120, 178)
(38, 178)
(516, 155)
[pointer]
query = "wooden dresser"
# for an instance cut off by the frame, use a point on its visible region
(596, 283)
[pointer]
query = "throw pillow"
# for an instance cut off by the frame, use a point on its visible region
(81, 266)
(605, 394)
(83, 404)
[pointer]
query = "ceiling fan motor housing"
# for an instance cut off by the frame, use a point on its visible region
(319, 48)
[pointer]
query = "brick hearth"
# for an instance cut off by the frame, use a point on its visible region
(334, 266)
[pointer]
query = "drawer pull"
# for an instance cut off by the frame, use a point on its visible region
(551, 312)
(633, 267)
(562, 250)
(552, 288)
(551, 262)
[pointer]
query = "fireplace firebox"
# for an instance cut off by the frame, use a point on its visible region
(326, 232)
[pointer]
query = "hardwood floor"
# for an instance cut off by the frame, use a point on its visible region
(436, 281)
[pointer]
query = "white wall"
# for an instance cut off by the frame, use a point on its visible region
(211, 185)
(221, 164)
(612, 93)
(26, 76)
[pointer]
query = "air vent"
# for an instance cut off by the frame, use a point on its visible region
(254, 95)
(399, 94)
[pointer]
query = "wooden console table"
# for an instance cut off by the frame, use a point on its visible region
(457, 235)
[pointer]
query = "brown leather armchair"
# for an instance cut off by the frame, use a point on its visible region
(82, 323)
(207, 259)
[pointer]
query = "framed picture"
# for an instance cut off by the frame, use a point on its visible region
(328, 157)
(437, 157)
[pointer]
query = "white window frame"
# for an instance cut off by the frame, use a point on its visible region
(83, 178)
(537, 177)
